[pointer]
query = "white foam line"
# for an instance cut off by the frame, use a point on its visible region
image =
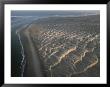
(23, 55)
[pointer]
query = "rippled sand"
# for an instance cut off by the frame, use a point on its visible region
(66, 53)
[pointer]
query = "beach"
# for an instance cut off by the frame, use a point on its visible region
(33, 67)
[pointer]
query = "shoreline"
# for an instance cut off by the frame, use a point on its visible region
(32, 67)
(23, 62)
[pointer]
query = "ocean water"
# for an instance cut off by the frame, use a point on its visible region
(16, 48)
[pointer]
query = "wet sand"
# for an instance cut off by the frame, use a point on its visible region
(33, 67)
